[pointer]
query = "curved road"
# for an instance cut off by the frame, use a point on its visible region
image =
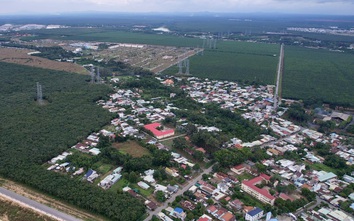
(36, 206)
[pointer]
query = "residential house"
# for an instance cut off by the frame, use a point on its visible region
(236, 204)
(254, 215)
(178, 213)
(150, 205)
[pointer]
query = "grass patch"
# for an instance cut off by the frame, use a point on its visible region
(107, 35)
(251, 201)
(123, 183)
(104, 168)
(119, 185)
(143, 192)
(244, 176)
(109, 128)
(320, 166)
(10, 211)
(167, 143)
(132, 148)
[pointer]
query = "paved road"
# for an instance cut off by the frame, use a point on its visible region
(179, 192)
(280, 70)
(282, 138)
(318, 202)
(170, 138)
(37, 206)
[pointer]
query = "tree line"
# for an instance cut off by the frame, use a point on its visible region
(31, 134)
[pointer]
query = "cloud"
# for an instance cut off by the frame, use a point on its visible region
(318, 1)
(270, 6)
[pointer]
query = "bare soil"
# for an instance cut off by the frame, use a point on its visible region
(20, 56)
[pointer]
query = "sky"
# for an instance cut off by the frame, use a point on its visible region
(330, 7)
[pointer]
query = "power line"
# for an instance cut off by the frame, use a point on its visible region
(39, 93)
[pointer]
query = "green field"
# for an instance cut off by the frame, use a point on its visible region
(236, 61)
(132, 148)
(105, 35)
(308, 74)
(318, 74)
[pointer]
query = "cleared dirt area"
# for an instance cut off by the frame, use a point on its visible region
(132, 148)
(20, 56)
(46, 200)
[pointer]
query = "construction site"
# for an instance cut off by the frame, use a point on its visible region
(152, 57)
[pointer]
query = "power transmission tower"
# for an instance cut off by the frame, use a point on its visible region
(180, 67)
(187, 66)
(39, 93)
(98, 77)
(92, 73)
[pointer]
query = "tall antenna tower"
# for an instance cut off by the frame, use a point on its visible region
(98, 77)
(92, 73)
(180, 67)
(187, 66)
(39, 93)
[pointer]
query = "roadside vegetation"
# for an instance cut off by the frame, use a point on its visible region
(14, 212)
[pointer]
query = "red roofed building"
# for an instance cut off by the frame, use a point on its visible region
(239, 169)
(249, 186)
(168, 82)
(285, 197)
(205, 218)
(159, 134)
(201, 149)
(227, 217)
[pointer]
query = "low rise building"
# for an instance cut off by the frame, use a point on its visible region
(262, 195)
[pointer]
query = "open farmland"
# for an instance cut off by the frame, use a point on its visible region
(318, 74)
(20, 56)
(152, 57)
(103, 35)
(132, 148)
(236, 61)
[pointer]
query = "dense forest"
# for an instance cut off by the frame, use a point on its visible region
(32, 133)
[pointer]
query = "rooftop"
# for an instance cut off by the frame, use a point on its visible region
(255, 211)
(153, 128)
